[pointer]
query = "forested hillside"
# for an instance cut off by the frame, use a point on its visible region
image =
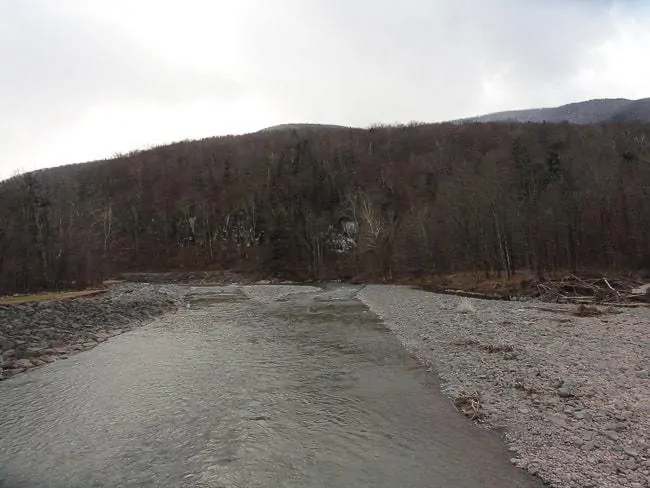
(374, 204)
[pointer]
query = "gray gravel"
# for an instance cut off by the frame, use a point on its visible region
(572, 394)
(33, 334)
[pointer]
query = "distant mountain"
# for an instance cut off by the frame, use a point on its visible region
(638, 110)
(283, 127)
(588, 112)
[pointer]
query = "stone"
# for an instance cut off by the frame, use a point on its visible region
(625, 415)
(13, 371)
(564, 390)
(615, 426)
(558, 420)
(551, 401)
(589, 446)
(23, 363)
(517, 462)
(611, 435)
(533, 468)
(9, 353)
(630, 452)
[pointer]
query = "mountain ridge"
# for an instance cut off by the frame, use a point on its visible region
(302, 126)
(594, 111)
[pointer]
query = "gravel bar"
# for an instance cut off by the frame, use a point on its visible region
(36, 333)
(571, 394)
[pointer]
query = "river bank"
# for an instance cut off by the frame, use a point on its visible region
(253, 387)
(37, 333)
(571, 393)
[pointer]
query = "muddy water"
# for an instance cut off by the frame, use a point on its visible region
(279, 390)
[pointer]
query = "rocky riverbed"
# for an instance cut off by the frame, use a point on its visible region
(571, 393)
(36, 333)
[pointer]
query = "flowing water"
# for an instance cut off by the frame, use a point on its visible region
(303, 389)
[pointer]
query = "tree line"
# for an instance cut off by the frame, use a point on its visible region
(373, 204)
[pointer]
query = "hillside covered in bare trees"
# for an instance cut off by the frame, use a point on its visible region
(376, 204)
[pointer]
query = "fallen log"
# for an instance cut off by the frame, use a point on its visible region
(466, 294)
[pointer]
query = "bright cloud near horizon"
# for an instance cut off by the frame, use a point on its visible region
(82, 80)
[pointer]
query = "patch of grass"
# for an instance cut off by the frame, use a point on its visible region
(48, 296)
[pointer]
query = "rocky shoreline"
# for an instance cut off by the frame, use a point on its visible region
(36, 333)
(571, 393)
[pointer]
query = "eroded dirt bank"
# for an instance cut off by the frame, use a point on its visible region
(572, 393)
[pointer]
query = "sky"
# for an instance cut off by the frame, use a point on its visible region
(82, 80)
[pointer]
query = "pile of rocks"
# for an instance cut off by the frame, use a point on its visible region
(32, 334)
(571, 392)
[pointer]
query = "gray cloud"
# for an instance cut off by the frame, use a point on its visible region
(423, 60)
(54, 66)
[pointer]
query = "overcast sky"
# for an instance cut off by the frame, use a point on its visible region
(82, 80)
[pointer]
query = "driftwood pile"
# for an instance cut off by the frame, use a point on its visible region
(622, 292)
(604, 291)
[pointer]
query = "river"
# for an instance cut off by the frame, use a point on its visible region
(284, 389)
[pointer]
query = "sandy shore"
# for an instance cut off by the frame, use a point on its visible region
(571, 393)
